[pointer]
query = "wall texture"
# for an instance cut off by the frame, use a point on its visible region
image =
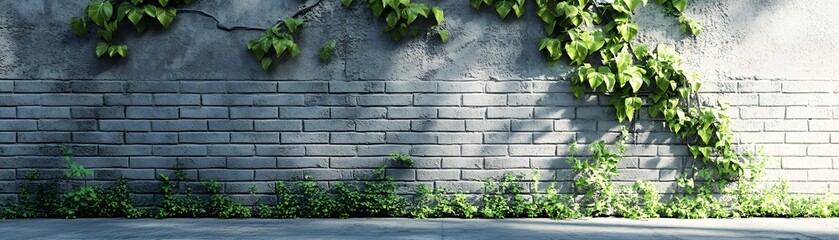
(483, 104)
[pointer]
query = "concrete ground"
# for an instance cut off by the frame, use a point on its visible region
(397, 228)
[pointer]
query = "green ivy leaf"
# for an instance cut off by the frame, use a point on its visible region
(628, 31)
(503, 8)
(102, 48)
(391, 19)
(166, 15)
(266, 63)
(444, 35)
(680, 5)
(79, 25)
(293, 23)
(163, 2)
(135, 15)
(100, 12)
(326, 51)
(476, 3)
(416, 9)
(438, 14)
(346, 3)
(631, 104)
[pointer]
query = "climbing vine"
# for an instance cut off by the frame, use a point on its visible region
(401, 14)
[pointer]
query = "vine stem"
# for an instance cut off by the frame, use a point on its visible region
(219, 25)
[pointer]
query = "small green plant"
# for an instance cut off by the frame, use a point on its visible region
(558, 206)
(400, 16)
(326, 51)
(502, 7)
(276, 42)
(401, 158)
(222, 205)
(287, 205)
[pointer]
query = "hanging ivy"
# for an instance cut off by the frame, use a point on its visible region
(400, 16)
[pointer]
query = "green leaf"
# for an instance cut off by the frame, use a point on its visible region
(266, 63)
(628, 31)
(79, 25)
(326, 51)
(680, 5)
(391, 19)
(608, 78)
(100, 12)
(346, 3)
(293, 23)
(163, 2)
(705, 134)
(416, 9)
(135, 15)
(503, 8)
(438, 14)
(166, 15)
(102, 48)
(476, 3)
(444, 35)
(631, 104)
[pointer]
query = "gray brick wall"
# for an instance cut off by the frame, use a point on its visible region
(459, 132)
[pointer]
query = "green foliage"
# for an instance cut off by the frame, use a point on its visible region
(558, 206)
(401, 158)
(76, 170)
(287, 205)
(594, 176)
(688, 25)
(276, 42)
(222, 205)
(317, 202)
(107, 15)
(326, 51)
(401, 14)
(502, 7)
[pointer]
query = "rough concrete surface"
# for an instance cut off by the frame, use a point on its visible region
(377, 228)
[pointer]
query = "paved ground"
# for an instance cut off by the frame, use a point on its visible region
(389, 228)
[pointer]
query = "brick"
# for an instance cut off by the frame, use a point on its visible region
(124, 150)
(251, 87)
(484, 100)
(203, 137)
(759, 86)
(438, 126)
(460, 87)
(460, 186)
(807, 87)
(98, 137)
(358, 112)
(357, 162)
(203, 87)
(808, 187)
(357, 138)
(637, 174)
(595, 113)
(43, 137)
(790, 175)
(329, 100)
(823, 175)
(532, 125)
(761, 137)
(225, 174)
(67, 125)
(330, 150)
(153, 87)
(43, 112)
(410, 138)
(278, 125)
(660, 162)
(227, 100)
(254, 137)
(772, 100)
(508, 87)
(483, 150)
(251, 162)
(830, 150)
(488, 125)
(552, 99)
(304, 138)
(302, 162)
(808, 137)
(278, 100)
(153, 138)
(128, 100)
(231, 150)
(385, 100)
(328, 125)
(574, 125)
(462, 163)
(823, 125)
(41, 86)
(506, 162)
(454, 138)
(510, 112)
(176, 99)
(437, 99)
(130, 174)
(383, 125)
(810, 112)
(411, 87)
(785, 125)
(124, 125)
(762, 112)
(356, 87)
(204, 112)
(785, 149)
(71, 100)
(180, 150)
(7, 86)
(97, 112)
(462, 113)
(304, 112)
(532, 150)
(151, 112)
(254, 112)
(411, 112)
(274, 175)
(507, 137)
(402, 174)
(8, 112)
(438, 175)
(382, 150)
(8, 137)
(554, 137)
(179, 125)
(549, 163)
(281, 150)
(303, 87)
(806, 163)
(231, 125)
(554, 113)
(328, 174)
(591, 137)
(432, 150)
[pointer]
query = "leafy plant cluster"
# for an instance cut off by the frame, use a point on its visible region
(401, 14)
(276, 42)
(106, 15)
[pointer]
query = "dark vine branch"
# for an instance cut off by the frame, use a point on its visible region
(219, 25)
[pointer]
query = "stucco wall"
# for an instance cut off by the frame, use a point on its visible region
(482, 104)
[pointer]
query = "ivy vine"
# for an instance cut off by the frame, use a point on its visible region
(401, 14)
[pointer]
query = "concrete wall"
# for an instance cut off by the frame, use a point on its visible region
(483, 104)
